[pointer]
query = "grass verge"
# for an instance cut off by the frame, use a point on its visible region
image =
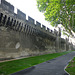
(10, 67)
(71, 67)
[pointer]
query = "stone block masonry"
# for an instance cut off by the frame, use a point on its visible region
(20, 37)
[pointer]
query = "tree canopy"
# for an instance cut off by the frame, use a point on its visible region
(58, 12)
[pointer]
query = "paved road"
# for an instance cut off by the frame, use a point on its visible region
(51, 67)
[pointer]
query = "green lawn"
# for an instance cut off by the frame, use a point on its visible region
(10, 67)
(71, 67)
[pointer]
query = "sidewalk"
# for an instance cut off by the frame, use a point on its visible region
(52, 67)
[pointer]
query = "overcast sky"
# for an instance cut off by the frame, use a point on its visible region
(29, 8)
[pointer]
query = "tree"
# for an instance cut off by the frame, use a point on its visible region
(58, 12)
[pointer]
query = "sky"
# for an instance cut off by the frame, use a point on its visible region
(29, 7)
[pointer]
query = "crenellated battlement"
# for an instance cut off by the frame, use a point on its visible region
(20, 18)
(6, 6)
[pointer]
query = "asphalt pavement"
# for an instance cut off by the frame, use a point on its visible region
(52, 67)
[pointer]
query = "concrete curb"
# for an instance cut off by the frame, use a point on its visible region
(65, 70)
(67, 65)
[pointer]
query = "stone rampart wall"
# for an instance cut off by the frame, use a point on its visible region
(21, 37)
